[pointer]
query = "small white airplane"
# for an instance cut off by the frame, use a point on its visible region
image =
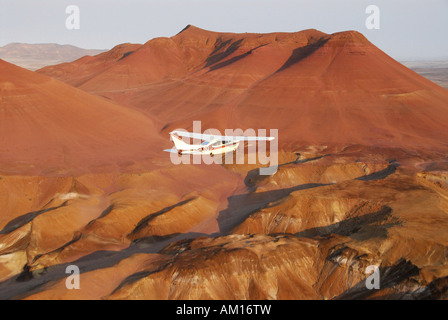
(212, 144)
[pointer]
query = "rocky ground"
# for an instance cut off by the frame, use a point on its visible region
(307, 232)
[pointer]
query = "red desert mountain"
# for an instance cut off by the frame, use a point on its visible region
(316, 88)
(45, 124)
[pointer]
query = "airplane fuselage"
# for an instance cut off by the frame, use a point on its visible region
(211, 148)
(212, 145)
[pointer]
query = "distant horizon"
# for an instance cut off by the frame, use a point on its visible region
(108, 49)
(410, 30)
(54, 43)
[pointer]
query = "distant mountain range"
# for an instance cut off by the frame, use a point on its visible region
(36, 56)
(436, 70)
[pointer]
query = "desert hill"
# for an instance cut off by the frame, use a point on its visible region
(48, 126)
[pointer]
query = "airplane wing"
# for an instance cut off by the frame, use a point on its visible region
(210, 137)
(171, 150)
(183, 152)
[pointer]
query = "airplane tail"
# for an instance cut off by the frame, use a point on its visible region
(180, 145)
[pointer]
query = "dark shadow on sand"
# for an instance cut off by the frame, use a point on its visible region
(243, 205)
(367, 226)
(24, 219)
(301, 53)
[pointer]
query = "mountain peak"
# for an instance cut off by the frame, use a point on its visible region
(187, 27)
(192, 29)
(350, 36)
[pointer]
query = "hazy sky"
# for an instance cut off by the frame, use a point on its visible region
(409, 29)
